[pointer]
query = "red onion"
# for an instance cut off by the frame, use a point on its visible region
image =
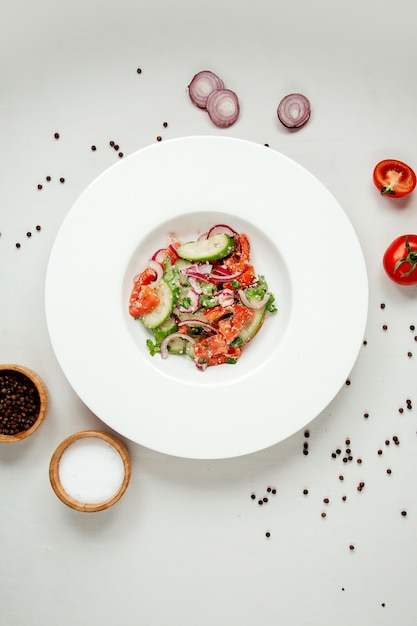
(225, 297)
(224, 278)
(221, 228)
(156, 267)
(294, 110)
(199, 324)
(253, 304)
(160, 255)
(166, 341)
(195, 285)
(173, 251)
(223, 107)
(202, 85)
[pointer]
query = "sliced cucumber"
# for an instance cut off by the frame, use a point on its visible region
(167, 327)
(211, 249)
(164, 309)
(251, 327)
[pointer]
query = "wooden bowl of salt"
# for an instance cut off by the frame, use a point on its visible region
(90, 471)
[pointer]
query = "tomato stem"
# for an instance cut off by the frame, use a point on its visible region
(411, 259)
(387, 190)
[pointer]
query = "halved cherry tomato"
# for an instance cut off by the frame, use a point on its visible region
(400, 260)
(394, 178)
(144, 297)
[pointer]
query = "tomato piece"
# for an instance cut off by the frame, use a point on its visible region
(400, 260)
(214, 350)
(394, 178)
(147, 276)
(240, 257)
(144, 297)
(230, 327)
(217, 312)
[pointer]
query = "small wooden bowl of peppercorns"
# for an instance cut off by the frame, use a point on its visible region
(23, 402)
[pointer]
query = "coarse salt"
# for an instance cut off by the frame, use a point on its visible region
(91, 470)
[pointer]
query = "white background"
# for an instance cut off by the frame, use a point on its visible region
(186, 545)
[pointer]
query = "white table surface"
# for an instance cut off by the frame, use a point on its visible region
(186, 545)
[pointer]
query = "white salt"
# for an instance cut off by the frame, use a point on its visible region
(91, 470)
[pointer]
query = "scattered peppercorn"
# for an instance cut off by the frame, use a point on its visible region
(382, 305)
(409, 354)
(344, 498)
(120, 155)
(412, 327)
(62, 180)
(323, 514)
(159, 138)
(404, 513)
(385, 327)
(17, 245)
(379, 451)
(389, 471)
(359, 461)
(260, 502)
(326, 500)
(348, 382)
(269, 489)
(56, 135)
(351, 547)
(265, 499)
(366, 415)
(93, 148)
(38, 228)
(139, 71)
(48, 178)
(267, 534)
(116, 146)
(28, 234)
(307, 433)
(111, 143)
(274, 491)
(305, 491)
(39, 186)
(341, 477)
(165, 124)
(253, 496)
(365, 343)
(400, 410)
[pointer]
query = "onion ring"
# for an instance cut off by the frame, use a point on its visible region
(253, 304)
(223, 107)
(165, 343)
(221, 228)
(202, 86)
(294, 110)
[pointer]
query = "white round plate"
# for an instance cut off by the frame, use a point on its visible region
(300, 358)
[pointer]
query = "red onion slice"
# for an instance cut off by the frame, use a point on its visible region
(221, 228)
(223, 107)
(224, 278)
(160, 255)
(155, 267)
(167, 340)
(253, 304)
(202, 85)
(294, 110)
(198, 324)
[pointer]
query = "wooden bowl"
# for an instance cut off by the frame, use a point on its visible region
(37, 394)
(56, 479)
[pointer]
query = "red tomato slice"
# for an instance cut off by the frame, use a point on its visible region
(230, 327)
(394, 178)
(214, 350)
(400, 260)
(143, 298)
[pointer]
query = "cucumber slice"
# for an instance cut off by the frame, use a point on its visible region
(251, 327)
(164, 309)
(167, 327)
(211, 249)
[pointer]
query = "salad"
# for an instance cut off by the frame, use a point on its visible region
(202, 298)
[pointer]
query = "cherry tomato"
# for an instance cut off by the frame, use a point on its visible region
(394, 178)
(400, 260)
